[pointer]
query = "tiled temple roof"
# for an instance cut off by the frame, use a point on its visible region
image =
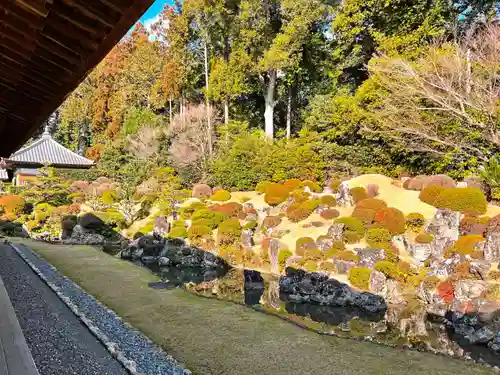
(47, 151)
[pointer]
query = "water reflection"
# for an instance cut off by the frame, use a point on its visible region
(399, 326)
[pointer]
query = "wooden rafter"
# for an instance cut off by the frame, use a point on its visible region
(46, 49)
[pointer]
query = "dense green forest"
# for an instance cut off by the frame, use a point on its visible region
(233, 92)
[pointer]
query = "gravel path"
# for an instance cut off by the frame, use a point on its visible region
(60, 344)
(135, 351)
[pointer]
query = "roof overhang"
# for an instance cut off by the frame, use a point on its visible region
(47, 47)
(12, 164)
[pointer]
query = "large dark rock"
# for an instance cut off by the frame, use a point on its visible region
(90, 221)
(304, 287)
(181, 255)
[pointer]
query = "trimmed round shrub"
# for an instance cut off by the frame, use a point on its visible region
(178, 232)
(359, 277)
(354, 229)
(328, 200)
(372, 190)
(311, 266)
(187, 211)
(415, 221)
(327, 267)
(440, 180)
(347, 256)
(313, 186)
(283, 255)
(465, 245)
(198, 231)
(358, 194)
(493, 292)
(367, 208)
(221, 196)
(230, 209)
(304, 243)
(329, 214)
(424, 238)
(431, 194)
(201, 191)
(299, 214)
(446, 291)
(392, 219)
(389, 269)
(292, 184)
(179, 223)
(299, 196)
(214, 218)
(216, 189)
(464, 200)
(262, 186)
(365, 215)
(301, 211)
(251, 225)
(372, 203)
(310, 204)
(12, 205)
(229, 231)
(276, 194)
(313, 254)
(334, 185)
(271, 222)
(377, 235)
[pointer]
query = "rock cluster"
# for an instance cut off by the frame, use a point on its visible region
(315, 288)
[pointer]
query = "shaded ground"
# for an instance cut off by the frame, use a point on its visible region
(59, 343)
(215, 337)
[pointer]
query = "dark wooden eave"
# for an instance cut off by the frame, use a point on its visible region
(47, 47)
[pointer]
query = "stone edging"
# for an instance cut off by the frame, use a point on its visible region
(112, 347)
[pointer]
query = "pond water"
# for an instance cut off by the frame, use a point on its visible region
(408, 327)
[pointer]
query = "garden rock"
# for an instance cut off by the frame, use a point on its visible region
(90, 221)
(336, 232)
(368, 257)
(343, 266)
(344, 197)
(492, 247)
(445, 228)
(164, 261)
(201, 191)
(82, 236)
(469, 289)
(315, 288)
(420, 251)
(161, 226)
(325, 243)
(378, 283)
(247, 238)
(446, 267)
(480, 268)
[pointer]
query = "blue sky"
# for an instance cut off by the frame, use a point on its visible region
(154, 10)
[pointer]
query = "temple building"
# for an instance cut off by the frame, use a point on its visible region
(22, 165)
